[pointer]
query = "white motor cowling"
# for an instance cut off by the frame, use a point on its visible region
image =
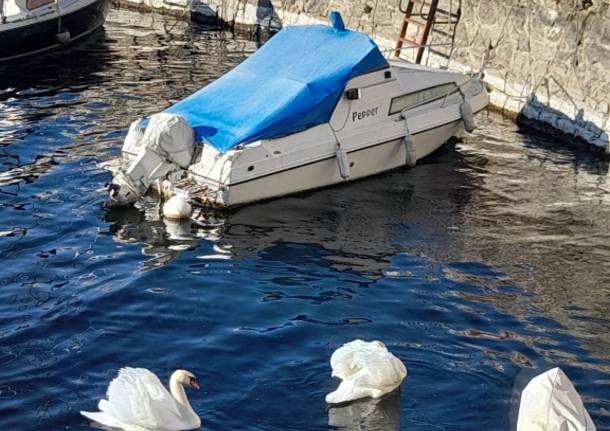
(170, 135)
(133, 143)
(167, 145)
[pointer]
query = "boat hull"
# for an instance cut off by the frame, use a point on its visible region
(363, 163)
(35, 36)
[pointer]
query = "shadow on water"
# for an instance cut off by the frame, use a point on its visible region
(45, 92)
(77, 65)
(540, 116)
(543, 149)
(31, 92)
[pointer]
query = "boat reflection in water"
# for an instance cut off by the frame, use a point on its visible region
(163, 240)
(357, 224)
(381, 414)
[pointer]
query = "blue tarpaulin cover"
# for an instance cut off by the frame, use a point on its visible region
(291, 83)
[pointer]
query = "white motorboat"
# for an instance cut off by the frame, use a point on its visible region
(315, 106)
(32, 26)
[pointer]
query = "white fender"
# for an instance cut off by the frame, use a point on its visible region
(467, 116)
(409, 143)
(343, 163)
(177, 208)
(63, 37)
(410, 156)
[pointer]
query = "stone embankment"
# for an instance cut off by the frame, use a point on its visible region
(549, 60)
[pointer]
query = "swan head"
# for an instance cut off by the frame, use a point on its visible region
(185, 377)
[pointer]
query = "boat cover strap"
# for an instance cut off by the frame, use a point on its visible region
(293, 82)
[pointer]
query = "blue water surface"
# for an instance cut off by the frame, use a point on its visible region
(483, 266)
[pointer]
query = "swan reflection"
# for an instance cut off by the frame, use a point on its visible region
(381, 414)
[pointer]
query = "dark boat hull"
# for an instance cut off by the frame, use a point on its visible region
(41, 36)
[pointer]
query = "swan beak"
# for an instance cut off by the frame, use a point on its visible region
(194, 383)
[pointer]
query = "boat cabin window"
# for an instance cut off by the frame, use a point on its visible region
(35, 4)
(411, 100)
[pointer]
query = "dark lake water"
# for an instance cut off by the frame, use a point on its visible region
(483, 266)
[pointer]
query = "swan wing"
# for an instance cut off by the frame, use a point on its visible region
(104, 419)
(166, 410)
(367, 370)
(343, 361)
(137, 398)
(378, 368)
(350, 390)
(381, 366)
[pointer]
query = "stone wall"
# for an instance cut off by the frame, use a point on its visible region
(549, 60)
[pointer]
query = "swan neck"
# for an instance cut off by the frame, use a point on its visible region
(178, 392)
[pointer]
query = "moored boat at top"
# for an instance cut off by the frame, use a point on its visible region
(315, 106)
(29, 27)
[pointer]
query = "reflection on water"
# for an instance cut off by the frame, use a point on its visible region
(361, 223)
(381, 414)
(481, 267)
(163, 240)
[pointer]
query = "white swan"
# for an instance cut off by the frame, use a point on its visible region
(549, 402)
(367, 369)
(137, 401)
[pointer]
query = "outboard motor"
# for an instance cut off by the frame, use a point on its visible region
(167, 145)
